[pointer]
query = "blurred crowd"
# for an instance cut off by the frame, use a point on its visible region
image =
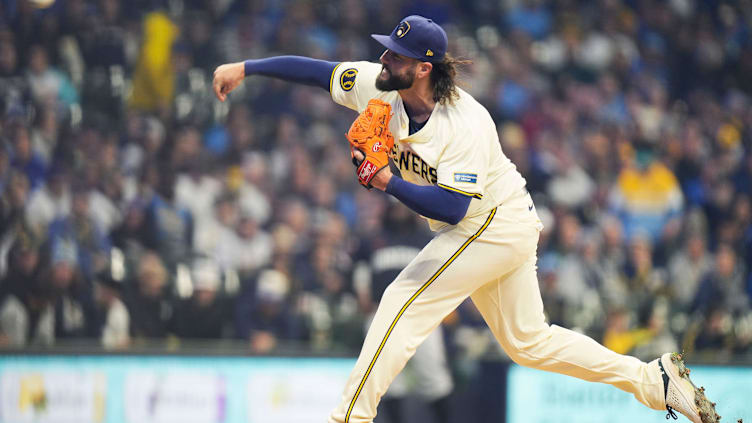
(136, 206)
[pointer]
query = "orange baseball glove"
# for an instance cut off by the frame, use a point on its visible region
(370, 134)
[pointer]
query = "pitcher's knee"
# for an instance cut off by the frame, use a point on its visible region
(398, 290)
(525, 348)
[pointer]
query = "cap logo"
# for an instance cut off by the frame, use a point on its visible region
(402, 29)
(429, 53)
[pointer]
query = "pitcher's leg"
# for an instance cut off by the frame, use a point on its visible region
(513, 309)
(405, 317)
(425, 292)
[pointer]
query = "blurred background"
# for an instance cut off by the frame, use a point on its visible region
(145, 225)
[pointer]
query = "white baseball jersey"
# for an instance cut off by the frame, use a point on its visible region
(458, 148)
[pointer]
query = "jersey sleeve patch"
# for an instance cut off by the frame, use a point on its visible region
(347, 79)
(352, 84)
(470, 178)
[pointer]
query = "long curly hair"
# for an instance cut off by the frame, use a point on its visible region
(444, 79)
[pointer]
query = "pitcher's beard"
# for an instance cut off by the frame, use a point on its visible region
(394, 82)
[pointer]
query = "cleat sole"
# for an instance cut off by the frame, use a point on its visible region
(705, 407)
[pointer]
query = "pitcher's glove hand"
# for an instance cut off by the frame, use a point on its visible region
(370, 135)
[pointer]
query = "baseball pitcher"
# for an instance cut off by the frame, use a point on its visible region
(454, 173)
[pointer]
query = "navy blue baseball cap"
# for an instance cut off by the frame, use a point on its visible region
(416, 37)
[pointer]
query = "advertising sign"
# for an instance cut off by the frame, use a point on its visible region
(162, 389)
(534, 396)
(52, 396)
(303, 395)
(165, 397)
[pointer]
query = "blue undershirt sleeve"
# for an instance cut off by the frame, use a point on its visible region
(430, 201)
(298, 69)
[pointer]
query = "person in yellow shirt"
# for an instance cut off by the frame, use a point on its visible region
(153, 79)
(647, 196)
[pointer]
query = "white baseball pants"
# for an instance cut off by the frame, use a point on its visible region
(492, 259)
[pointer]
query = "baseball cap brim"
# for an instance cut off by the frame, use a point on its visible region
(388, 42)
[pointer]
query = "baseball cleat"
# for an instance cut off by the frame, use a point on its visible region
(682, 395)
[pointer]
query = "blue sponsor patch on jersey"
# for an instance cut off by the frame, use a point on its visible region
(347, 79)
(470, 178)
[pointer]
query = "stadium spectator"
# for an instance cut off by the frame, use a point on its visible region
(130, 235)
(621, 335)
(644, 281)
(204, 315)
(723, 287)
(264, 317)
(254, 191)
(214, 232)
(45, 134)
(49, 202)
(113, 320)
(148, 300)
(248, 249)
(72, 295)
(24, 158)
(168, 227)
(686, 269)
(15, 192)
(331, 314)
(646, 196)
(28, 317)
(23, 261)
(196, 190)
(48, 86)
(662, 338)
(82, 231)
(153, 78)
(571, 284)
